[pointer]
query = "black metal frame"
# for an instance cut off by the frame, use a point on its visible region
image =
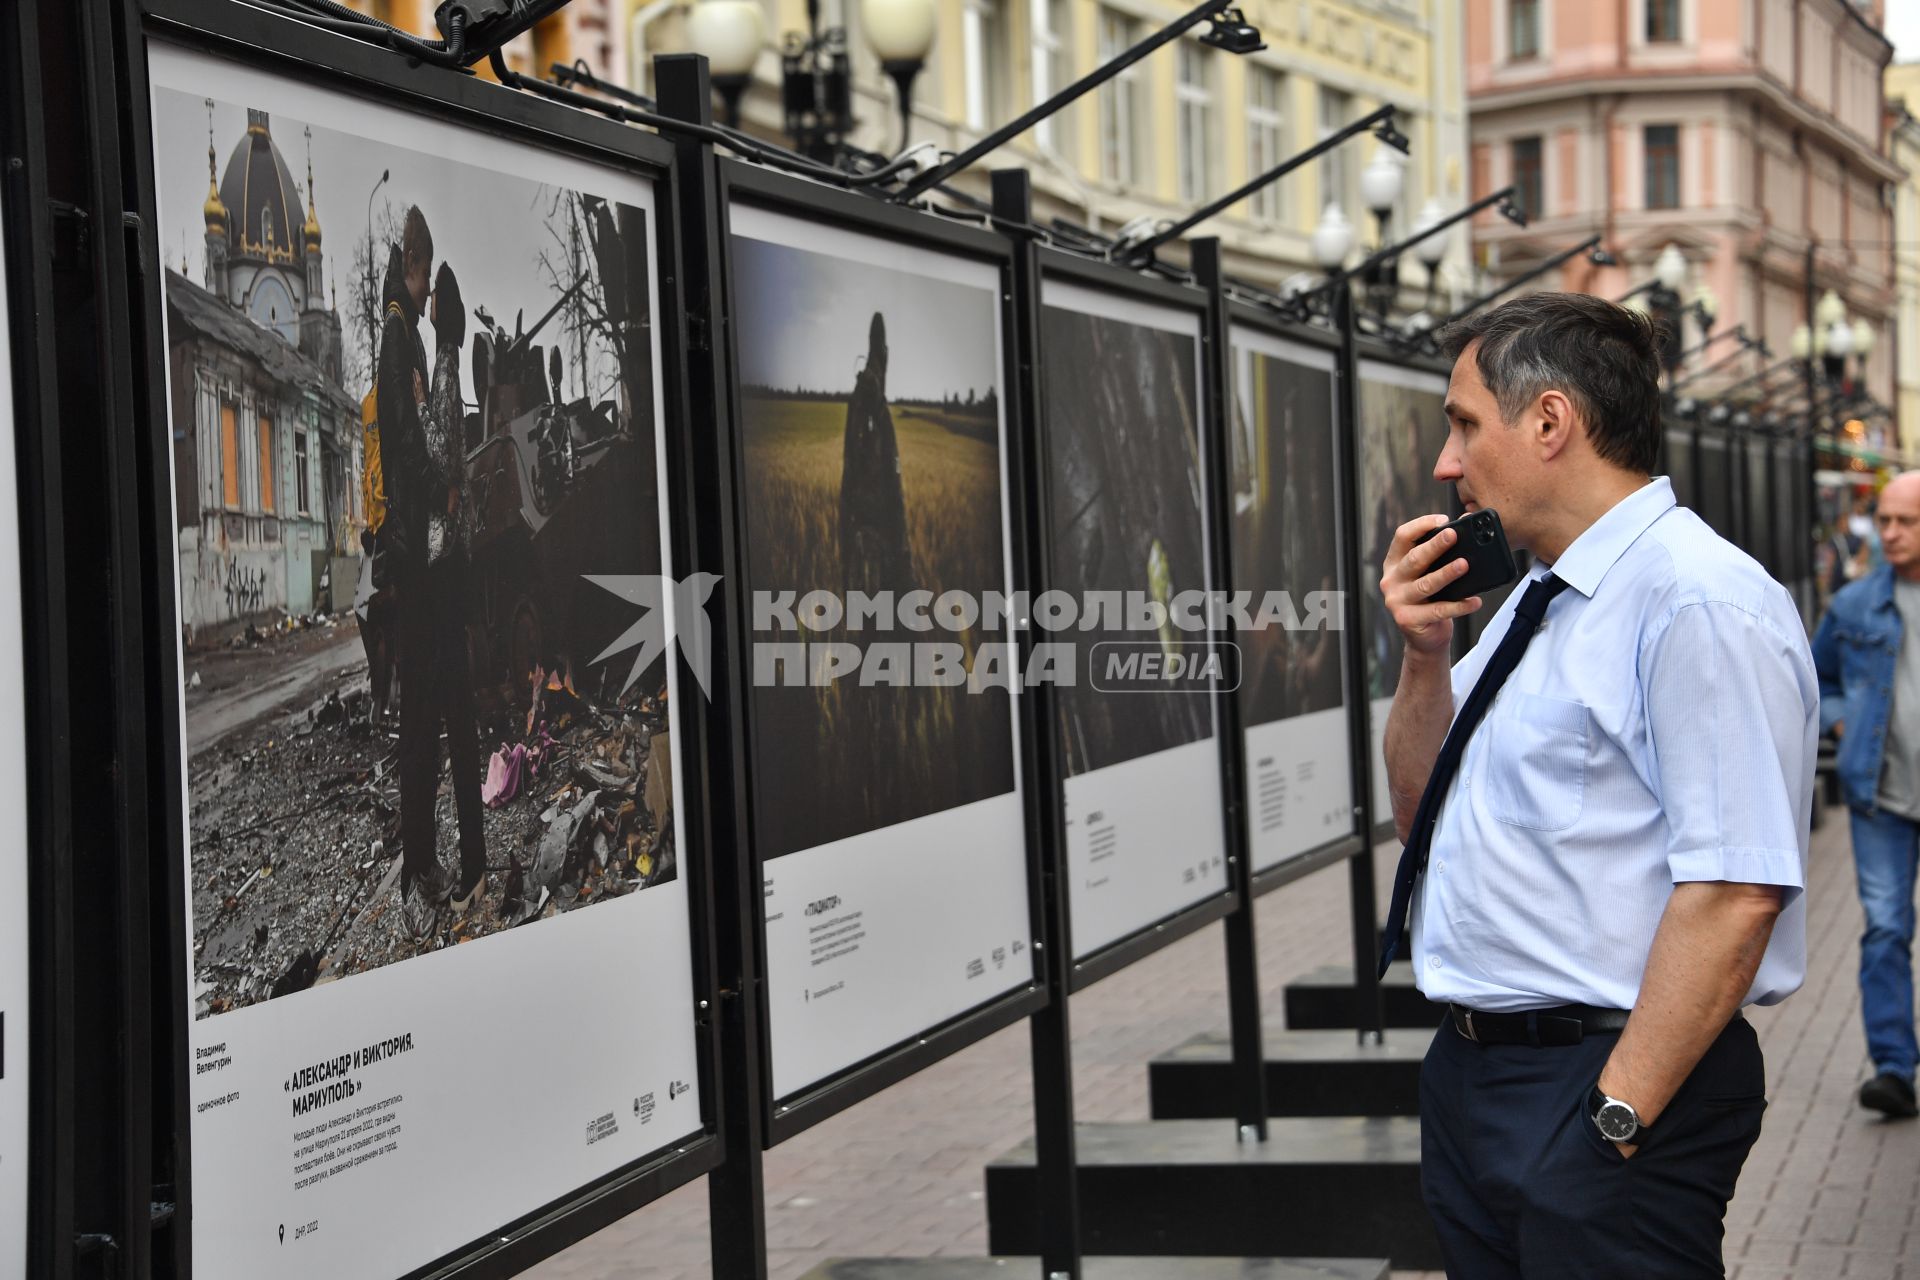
(1708, 438)
(761, 188)
(29, 248)
(1125, 282)
(1346, 575)
(303, 52)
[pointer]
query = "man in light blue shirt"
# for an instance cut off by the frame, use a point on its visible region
(1611, 861)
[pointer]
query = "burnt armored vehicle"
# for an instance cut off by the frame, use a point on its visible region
(559, 490)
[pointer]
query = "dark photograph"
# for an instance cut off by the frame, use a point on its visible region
(870, 411)
(414, 461)
(1121, 404)
(1402, 430)
(1285, 529)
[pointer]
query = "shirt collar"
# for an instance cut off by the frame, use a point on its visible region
(1582, 565)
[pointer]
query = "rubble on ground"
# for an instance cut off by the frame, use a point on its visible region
(295, 832)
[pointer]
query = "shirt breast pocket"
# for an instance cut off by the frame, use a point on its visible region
(1537, 762)
(1863, 654)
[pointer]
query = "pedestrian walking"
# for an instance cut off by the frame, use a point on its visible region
(1868, 656)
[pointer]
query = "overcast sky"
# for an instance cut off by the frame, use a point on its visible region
(805, 316)
(490, 226)
(1903, 28)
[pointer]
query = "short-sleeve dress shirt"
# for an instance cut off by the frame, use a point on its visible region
(1661, 728)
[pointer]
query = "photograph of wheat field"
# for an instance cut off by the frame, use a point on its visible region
(870, 415)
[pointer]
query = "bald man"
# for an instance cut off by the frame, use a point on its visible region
(1867, 652)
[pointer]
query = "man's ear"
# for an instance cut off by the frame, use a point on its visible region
(1556, 427)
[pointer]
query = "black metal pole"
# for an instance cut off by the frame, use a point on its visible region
(736, 1191)
(1056, 1159)
(1085, 84)
(1145, 249)
(1243, 961)
(1392, 251)
(1369, 1014)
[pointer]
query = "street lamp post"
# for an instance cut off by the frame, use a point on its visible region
(729, 32)
(1380, 184)
(900, 33)
(1663, 302)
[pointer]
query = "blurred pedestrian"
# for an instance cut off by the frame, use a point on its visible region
(1609, 855)
(1867, 650)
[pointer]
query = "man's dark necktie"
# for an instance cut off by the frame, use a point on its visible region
(1527, 616)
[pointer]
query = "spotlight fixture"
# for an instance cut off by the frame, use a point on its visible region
(1231, 31)
(1510, 210)
(1392, 137)
(1601, 258)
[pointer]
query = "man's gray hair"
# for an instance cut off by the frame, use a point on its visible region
(1604, 358)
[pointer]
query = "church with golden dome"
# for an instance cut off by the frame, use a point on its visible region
(266, 437)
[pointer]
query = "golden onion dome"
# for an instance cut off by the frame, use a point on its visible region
(214, 210)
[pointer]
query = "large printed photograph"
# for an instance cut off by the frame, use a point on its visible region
(1403, 426)
(1285, 529)
(414, 455)
(1121, 399)
(870, 413)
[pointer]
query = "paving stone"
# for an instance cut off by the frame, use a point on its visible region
(1828, 1191)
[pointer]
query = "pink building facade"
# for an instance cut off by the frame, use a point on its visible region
(1749, 133)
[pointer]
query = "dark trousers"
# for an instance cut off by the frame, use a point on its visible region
(1521, 1184)
(436, 688)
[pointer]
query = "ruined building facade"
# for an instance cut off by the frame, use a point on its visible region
(265, 436)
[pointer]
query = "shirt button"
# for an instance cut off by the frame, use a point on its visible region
(1433, 962)
(1440, 867)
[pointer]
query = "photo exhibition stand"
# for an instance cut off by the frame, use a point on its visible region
(189, 400)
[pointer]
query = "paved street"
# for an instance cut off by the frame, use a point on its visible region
(1828, 1191)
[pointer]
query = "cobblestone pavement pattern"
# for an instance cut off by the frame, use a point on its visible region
(1829, 1191)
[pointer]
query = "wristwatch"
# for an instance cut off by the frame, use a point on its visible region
(1617, 1121)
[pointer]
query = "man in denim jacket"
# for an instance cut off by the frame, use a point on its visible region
(1870, 699)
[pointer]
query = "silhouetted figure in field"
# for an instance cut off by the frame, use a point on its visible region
(874, 553)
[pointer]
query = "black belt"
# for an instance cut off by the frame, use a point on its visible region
(1563, 1025)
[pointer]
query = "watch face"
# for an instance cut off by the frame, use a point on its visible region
(1616, 1121)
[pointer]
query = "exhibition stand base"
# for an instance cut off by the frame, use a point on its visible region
(1309, 1073)
(1323, 999)
(1345, 1186)
(1103, 1269)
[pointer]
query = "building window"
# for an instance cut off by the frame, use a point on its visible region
(1663, 21)
(300, 470)
(1523, 29)
(1053, 68)
(1193, 93)
(229, 458)
(1336, 175)
(1122, 111)
(1528, 179)
(1663, 166)
(1266, 136)
(266, 464)
(985, 45)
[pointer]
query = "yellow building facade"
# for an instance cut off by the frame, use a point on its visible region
(1903, 145)
(1188, 124)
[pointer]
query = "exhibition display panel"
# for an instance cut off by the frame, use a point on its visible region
(1402, 428)
(430, 994)
(1120, 356)
(1284, 505)
(15, 884)
(872, 476)
(1714, 485)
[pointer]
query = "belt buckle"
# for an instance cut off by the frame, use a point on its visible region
(1467, 1015)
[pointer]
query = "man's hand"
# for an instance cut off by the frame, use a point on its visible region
(1408, 580)
(1704, 957)
(1839, 728)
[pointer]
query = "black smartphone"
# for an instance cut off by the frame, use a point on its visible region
(1483, 542)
